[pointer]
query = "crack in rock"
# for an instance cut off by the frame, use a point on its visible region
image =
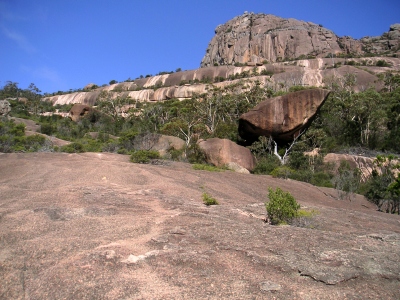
(328, 279)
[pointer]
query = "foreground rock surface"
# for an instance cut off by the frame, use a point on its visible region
(282, 117)
(111, 229)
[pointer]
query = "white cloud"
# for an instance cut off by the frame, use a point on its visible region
(19, 39)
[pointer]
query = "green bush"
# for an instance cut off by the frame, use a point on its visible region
(175, 154)
(92, 145)
(208, 200)
(35, 143)
(282, 172)
(195, 155)
(382, 63)
(73, 148)
(127, 138)
(47, 128)
(297, 160)
(266, 73)
(322, 179)
(13, 139)
(301, 175)
(266, 165)
(144, 156)
(282, 207)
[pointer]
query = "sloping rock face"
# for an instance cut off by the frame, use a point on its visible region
(171, 86)
(308, 72)
(254, 38)
(282, 117)
(95, 226)
(78, 111)
(221, 152)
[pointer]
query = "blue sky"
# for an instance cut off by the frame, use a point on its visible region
(62, 45)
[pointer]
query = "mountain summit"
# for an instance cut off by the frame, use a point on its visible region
(257, 38)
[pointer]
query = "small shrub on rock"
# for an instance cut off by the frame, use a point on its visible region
(144, 156)
(73, 148)
(305, 219)
(207, 168)
(208, 200)
(282, 207)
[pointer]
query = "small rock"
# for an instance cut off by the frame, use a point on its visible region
(110, 254)
(237, 168)
(269, 286)
(160, 239)
(133, 259)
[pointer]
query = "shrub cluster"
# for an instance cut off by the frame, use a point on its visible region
(282, 207)
(208, 200)
(144, 156)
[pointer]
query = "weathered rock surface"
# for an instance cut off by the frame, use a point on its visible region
(387, 42)
(364, 164)
(309, 72)
(255, 38)
(78, 111)
(221, 152)
(282, 117)
(110, 229)
(5, 108)
(142, 90)
(158, 142)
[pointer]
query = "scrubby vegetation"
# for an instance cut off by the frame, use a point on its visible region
(144, 156)
(367, 122)
(208, 200)
(209, 168)
(13, 139)
(281, 207)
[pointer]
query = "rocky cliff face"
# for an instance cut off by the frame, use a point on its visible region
(255, 38)
(282, 75)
